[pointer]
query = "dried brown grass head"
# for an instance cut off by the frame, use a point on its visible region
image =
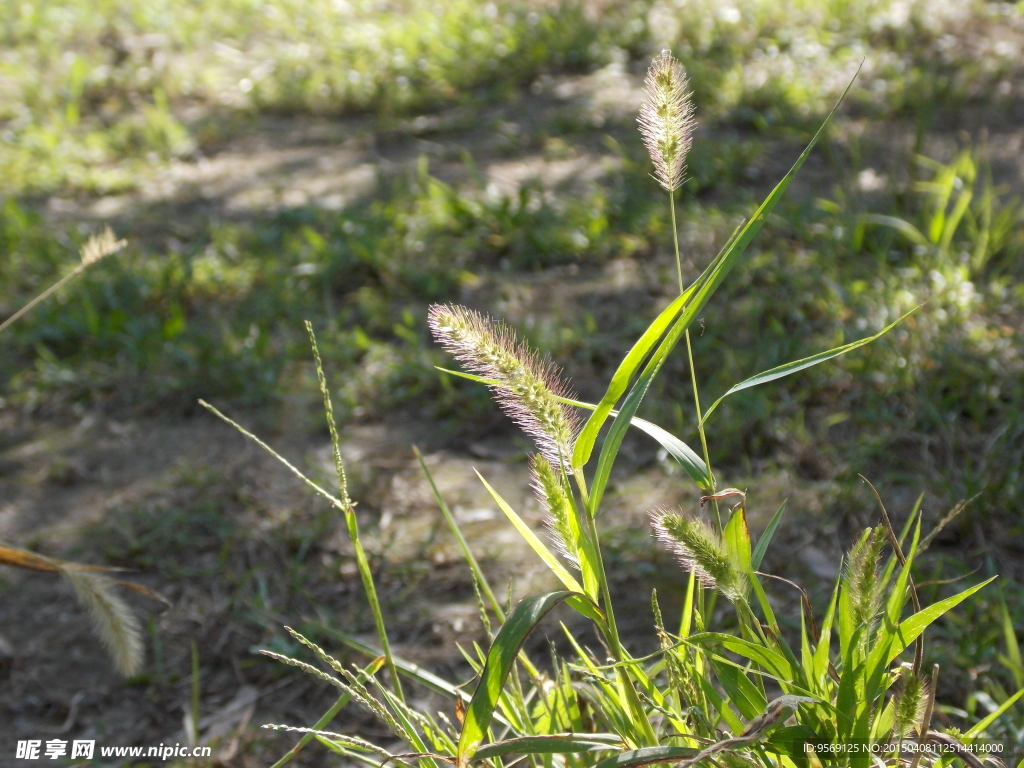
(114, 622)
(100, 246)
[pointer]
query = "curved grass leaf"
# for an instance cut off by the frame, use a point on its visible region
(647, 756)
(905, 228)
(500, 658)
(912, 627)
(798, 365)
(775, 663)
(623, 374)
(557, 743)
(980, 727)
(766, 537)
(538, 546)
(692, 463)
(676, 448)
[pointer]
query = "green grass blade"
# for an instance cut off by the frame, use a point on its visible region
(743, 693)
(500, 658)
(766, 537)
(623, 374)
(905, 228)
(821, 652)
(688, 459)
(980, 727)
(724, 263)
(1013, 656)
(799, 365)
(775, 663)
(647, 756)
(705, 288)
(538, 546)
(617, 432)
(329, 715)
(736, 538)
(912, 627)
(584, 605)
(467, 553)
(556, 743)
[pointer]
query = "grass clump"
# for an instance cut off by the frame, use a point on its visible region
(744, 693)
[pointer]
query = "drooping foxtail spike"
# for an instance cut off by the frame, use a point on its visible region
(113, 620)
(666, 120)
(528, 385)
(699, 550)
(559, 520)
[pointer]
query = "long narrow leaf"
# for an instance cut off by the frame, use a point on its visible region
(676, 448)
(500, 658)
(912, 627)
(533, 540)
(705, 288)
(798, 365)
(557, 743)
(980, 727)
(766, 537)
(774, 662)
(905, 228)
(620, 380)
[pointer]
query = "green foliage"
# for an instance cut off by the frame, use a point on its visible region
(707, 689)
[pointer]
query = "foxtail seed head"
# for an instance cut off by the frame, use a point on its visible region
(862, 580)
(908, 703)
(666, 120)
(700, 550)
(100, 246)
(113, 620)
(528, 385)
(562, 528)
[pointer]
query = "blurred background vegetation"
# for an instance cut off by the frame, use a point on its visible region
(352, 161)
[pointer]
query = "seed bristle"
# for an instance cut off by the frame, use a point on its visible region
(700, 550)
(666, 120)
(527, 385)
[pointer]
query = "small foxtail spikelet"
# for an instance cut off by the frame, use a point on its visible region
(113, 620)
(100, 246)
(908, 703)
(563, 528)
(666, 120)
(700, 550)
(862, 579)
(528, 385)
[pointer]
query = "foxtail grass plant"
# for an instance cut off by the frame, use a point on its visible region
(112, 619)
(752, 696)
